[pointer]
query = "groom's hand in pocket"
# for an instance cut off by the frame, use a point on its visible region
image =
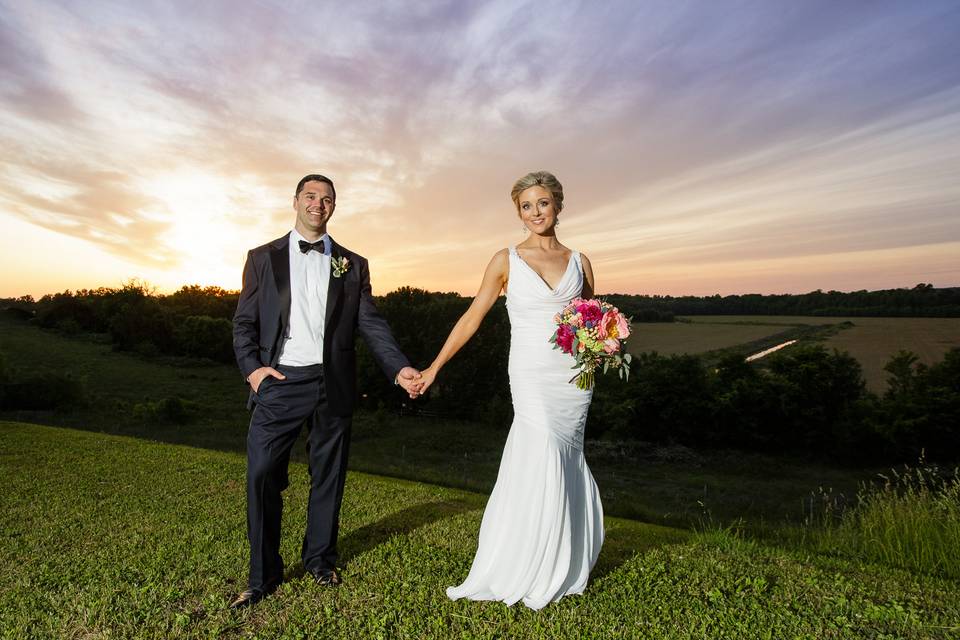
(259, 375)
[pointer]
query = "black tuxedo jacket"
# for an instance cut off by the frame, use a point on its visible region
(263, 319)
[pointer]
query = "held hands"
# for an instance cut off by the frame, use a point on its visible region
(409, 379)
(427, 376)
(259, 375)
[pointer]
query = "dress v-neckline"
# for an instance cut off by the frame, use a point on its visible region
(540, 277)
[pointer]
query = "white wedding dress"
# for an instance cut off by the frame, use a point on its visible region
(543, 525)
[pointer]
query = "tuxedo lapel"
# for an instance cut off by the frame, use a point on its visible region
(280, 261)
(334, 290)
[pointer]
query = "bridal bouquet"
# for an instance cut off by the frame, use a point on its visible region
(593, 332)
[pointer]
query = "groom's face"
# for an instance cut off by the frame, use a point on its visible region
(314, 206)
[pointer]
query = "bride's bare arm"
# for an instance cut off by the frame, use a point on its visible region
(494, 279)
(588, 288)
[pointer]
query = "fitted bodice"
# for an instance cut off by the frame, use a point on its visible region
(531, 303)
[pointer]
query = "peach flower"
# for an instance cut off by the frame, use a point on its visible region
(613, 326)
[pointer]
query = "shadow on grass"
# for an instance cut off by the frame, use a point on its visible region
(371, 536)
(622, 542)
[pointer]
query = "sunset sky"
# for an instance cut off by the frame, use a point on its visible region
(705, 147)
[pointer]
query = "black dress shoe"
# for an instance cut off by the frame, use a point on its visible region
(327, 577)
(251, 597)
(248, 598)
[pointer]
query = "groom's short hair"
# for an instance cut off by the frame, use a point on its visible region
(315, 177)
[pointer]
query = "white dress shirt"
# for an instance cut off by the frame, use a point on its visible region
(309, 279)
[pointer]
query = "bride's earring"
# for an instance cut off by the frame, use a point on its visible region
(557, 223)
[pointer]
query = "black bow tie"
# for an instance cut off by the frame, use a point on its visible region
(317, 246)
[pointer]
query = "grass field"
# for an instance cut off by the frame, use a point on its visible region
(107, 536)
(873, 340)
(696, 337)
(870, 340)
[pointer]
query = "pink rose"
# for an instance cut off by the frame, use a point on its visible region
(611, 345)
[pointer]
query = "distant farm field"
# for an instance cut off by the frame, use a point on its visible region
(873, 340)
(695, 337)
(870, 340)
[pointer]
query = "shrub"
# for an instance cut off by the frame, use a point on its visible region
(671, 399)
(921, 409)
(171, 410)
(4, 377)
(497, 411)
(747, 407)
(205, 337)
(17, 314)
(611, 410)
(69, 327)
(142, 321)
(64, 309)
(43, 391)
(819, 392)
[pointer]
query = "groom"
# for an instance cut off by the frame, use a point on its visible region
(304, 298)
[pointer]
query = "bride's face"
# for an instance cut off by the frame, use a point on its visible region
(537, 210)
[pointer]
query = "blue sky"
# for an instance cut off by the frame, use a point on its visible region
(704, 147)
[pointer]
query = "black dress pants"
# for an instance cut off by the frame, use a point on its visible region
(281, 408)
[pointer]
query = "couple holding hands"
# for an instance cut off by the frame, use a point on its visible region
(304, 299)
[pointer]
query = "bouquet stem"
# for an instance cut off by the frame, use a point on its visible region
(584, 380)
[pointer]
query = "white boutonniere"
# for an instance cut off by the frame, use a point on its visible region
(340, 264)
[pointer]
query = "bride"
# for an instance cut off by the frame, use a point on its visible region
(543, 525)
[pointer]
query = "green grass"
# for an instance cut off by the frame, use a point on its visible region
(107, 536)
(911, 519)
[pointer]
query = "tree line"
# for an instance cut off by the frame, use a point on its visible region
(805, 399)
(922, 301)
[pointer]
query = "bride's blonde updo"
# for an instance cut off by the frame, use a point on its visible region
(544, 179)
